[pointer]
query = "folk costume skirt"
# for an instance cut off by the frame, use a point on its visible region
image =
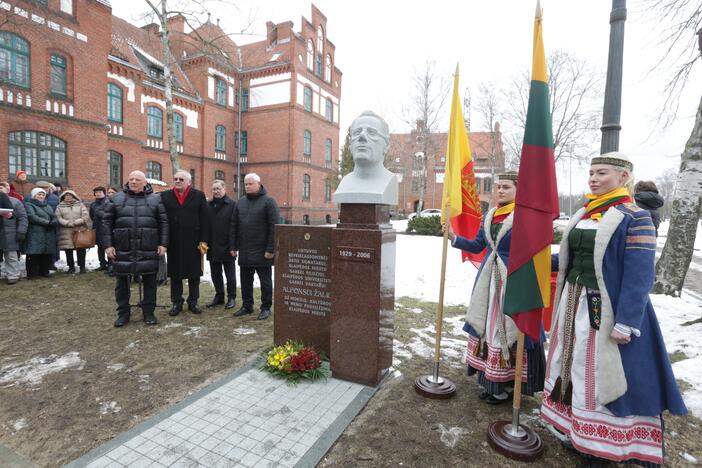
(592, 428)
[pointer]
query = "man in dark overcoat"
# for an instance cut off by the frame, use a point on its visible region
(96, 210)
(189, 232)
(253, 231)
(221, 210)
(135, 231)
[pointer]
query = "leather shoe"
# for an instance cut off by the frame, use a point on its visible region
(265, 313)
(230, 303)
(243, 311)
(215, 302)
(194, 308)
(150, 319)
(121, 321)
(176, 309)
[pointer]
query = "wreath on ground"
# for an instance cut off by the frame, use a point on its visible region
(294, 361)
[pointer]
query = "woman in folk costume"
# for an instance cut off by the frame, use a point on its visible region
(608, 377)
(491, 349)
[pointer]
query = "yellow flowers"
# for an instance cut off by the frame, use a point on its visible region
(278, 356)
(294, 361)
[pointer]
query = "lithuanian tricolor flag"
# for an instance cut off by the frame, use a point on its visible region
(527, 290)
(459, 180)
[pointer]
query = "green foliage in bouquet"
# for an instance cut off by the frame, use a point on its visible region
(293, 361)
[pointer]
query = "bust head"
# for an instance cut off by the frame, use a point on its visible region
(370, 138)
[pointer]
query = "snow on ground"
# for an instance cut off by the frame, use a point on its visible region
(243, 331)
(33, 371)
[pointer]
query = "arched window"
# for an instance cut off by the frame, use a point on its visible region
(307, 99)
(220, 138)
(114, 168)
(328, 150)
(14, 59)
(307, 143)
(221, 92)
(178, 127)
(58, 74)
(327, 192)
(114, 102)
(310, 54)
(328, 69)
(327, 219)
(154, 117)
(306, 187)
(219, 175)
(38, 154)
(306, 219)
(320, 39)
(328, 110)
(153, 170)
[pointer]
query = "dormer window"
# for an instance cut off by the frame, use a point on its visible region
(156, 72)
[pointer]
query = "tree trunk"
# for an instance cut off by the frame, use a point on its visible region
(672, 267)
(168, 77)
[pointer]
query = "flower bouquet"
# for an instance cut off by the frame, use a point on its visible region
(294, 361)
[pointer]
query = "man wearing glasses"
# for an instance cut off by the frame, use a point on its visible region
(189, 230)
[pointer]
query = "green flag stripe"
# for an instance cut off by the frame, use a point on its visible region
(538, 130)
(522, 291)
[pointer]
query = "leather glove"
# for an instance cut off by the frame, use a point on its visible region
(202, 247)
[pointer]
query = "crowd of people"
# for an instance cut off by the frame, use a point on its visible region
(135, 230)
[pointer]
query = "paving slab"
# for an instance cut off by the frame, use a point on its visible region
(248, 418)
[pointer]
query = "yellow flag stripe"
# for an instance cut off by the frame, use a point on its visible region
(539, 72)
(542, 266)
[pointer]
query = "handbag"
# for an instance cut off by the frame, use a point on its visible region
(84, 238)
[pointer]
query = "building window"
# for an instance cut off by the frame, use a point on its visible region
(328, 69)
(221, 92)
(220, 138)
(67, 6)
(58, 74)
(328, 110)
(308, 99)
(310, 54)
(114, 169)
(327, 219)
(14, 59)
(327, 191)
(320, 39)
(244, 100)
(192, 177)
(318, 65)
(307, 143)
(114, 102)
(39, 154)
(306, 219)
(244, 143)
(178, 127)
(219, 175)
(306, 187)
(153, 170)
(154, 117)
(328, 150)
(488, 184)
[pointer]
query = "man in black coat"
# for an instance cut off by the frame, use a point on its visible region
(135, 231)
(96, 210)
(221, 210)
(189, 232)
(253, 231)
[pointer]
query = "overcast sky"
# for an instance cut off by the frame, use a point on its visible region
(380, 45)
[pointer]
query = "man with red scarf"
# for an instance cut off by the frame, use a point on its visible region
(186, 208)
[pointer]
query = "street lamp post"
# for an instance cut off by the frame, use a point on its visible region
(613, 88)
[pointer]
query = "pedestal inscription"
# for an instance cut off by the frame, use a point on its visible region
(303, 285)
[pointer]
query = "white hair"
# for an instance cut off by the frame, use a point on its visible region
(252, 175)
(219, 182)
(188, 176)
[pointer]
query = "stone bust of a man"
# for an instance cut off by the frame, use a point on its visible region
(369, 182)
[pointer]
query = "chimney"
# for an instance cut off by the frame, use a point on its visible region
(271, 32)
(421, 125)
(497, 127)
(284, 30)
(152, 28)
(176, 24)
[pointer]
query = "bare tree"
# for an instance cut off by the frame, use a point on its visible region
(680, 20)
(489, 110)
(575, 89)
(666, 188)
(427, 102)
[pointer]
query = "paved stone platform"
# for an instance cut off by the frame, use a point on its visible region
(247, 419)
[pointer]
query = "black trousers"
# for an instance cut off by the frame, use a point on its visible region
(104, 261)
(177, 290)
(122, 294)
(38, 265)
(69, 258)
(247, 279)
(229, 273)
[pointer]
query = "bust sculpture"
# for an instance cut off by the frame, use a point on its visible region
(369, 182)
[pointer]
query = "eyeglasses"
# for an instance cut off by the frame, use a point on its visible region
(179, 179)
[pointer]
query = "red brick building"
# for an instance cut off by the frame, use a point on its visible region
(82, 102)
(405, 159)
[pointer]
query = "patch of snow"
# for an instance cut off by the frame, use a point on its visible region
(192, 331)
(243, 331)
(110, 407)
(400, 353)
(451, 435)
(116, 367)
(33, 371)
(20, 424)
(688, 458)
(416, 310)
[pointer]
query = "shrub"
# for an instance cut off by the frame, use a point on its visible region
(425, 225)
(557, 235)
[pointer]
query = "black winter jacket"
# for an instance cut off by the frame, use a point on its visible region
(97, 208)
(221, 212)
(650, 201)
(253, 228)
(135, 224)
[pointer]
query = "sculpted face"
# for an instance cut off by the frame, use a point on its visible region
(368, 144)
(137, 181)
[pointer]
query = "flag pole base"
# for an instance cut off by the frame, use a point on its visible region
(438, 389)
(522, 444)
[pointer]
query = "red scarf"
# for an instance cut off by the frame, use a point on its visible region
(502, 212)
(181, 198)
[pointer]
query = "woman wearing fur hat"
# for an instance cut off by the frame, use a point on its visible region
(491, 350)
(608, 377)
(72, 216)
(40, 243)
